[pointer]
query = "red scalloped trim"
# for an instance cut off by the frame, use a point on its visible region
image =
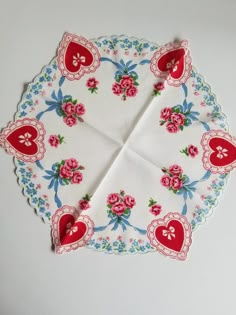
(81, 242)
(187, 235)
(87, 45)
(165, 50)
(16, 125)
(208, 151)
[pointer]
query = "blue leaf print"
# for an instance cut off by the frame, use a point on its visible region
(185, 89)
(132, 67)
(145, 61)
(61, 81)
(60, 96)
(53, 95)
(205, 125)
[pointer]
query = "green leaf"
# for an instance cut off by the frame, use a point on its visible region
(109, 206)
(127, 211)
(162, 122)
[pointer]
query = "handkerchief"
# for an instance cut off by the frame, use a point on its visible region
(121, 146)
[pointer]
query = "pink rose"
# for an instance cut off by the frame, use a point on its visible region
(192, 150)
(118, 208)
(70, 120)
(159, 86)
(131, 91)
(68, 108)
(92, 83)
(72, 163)
(172, 128)
(80, 109)
(176, 183)
(65, 172)
(129, 201)
(77, 177)
(84, 204)
(177, 119)
(117, 89)
(166, 113)
(165, 180)
(175, 170)
(126, 81)
(113, 198)
(156, 209)
(54, 141)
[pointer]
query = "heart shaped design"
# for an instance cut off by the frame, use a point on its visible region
(77, 56)
(70, 230)
(219, 151)
(171, 235)
(172, 62)
(24, 139)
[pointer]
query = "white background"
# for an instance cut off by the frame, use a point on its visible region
(35, 281)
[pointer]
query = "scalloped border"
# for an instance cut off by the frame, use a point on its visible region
(66, 40)
(151, 229)
(207, 136)
(165, 75)
(78, 218)
(38, 140)
(50, 64)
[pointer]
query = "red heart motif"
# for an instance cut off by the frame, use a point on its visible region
(219, 151)
(24, 139)
(172, 62)
(171, 235)
(224, 152)
(77, 56)
(70, 230)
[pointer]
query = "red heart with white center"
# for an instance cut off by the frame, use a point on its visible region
(172, 62)
(77, 56)
(24, 139)
(219, 151)
(70, 230)
(171, 235)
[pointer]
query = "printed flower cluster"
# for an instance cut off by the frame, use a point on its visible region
(55, 140)
(71, 111)
(126, 86)
(84, 202)
(155, 209)
(191, 150)
(178, 117)
(173, 119)
(69, 171)
(158, 87)
(92, 84)
(173, 178)
(119, 204)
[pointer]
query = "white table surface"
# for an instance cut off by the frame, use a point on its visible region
(35, 281)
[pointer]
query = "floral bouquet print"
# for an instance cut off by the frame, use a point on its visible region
(120, 145)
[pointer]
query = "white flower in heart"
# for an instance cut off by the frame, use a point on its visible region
(172, 65)
(169, 233)
(25, 139)
(77, 59)
(71, 229)
(222, 152)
